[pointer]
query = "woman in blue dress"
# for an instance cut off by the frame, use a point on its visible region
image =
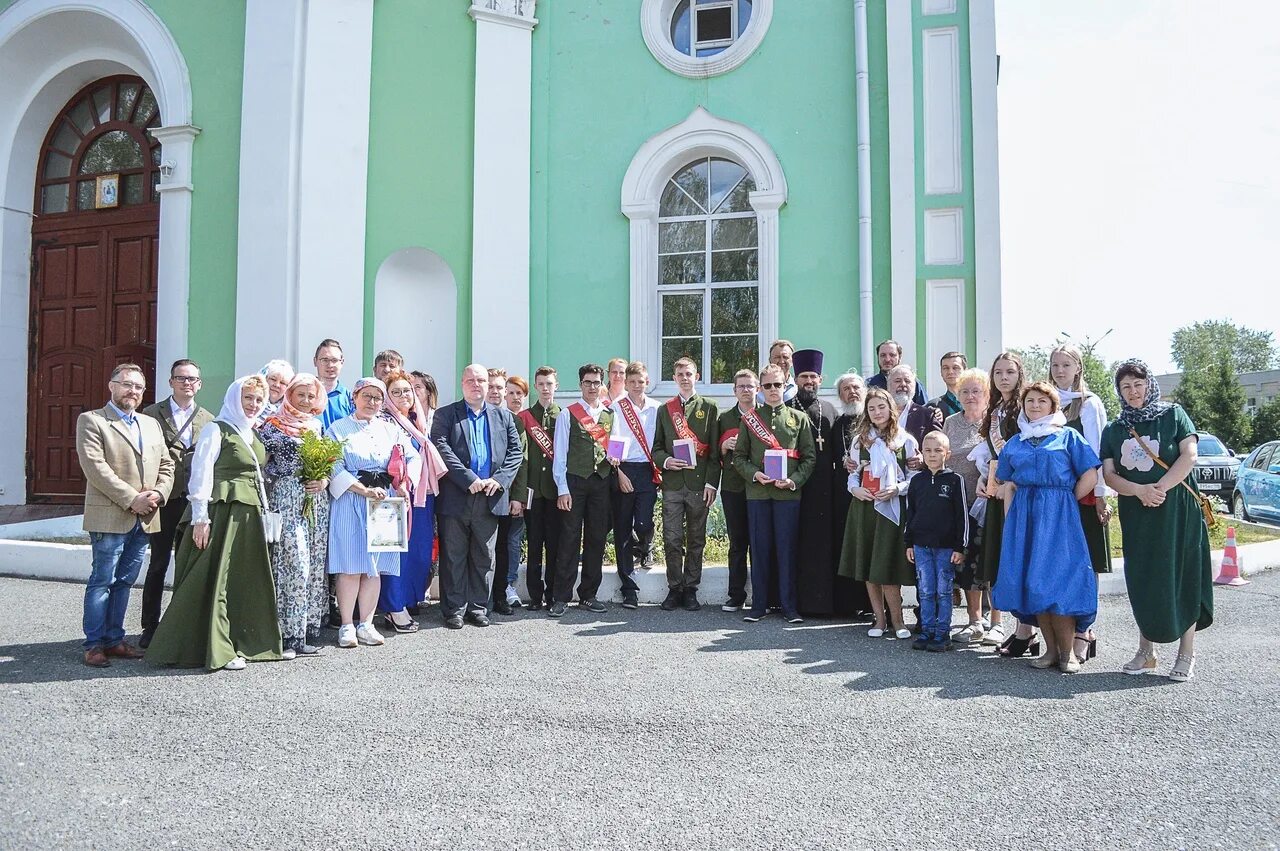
(367, 445)
(1046, 577)
(408, 589)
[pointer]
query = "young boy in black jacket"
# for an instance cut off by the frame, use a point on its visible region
(936, 532)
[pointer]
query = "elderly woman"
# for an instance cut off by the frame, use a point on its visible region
(298, 558)
(409, 587)
(973, 390)
(1086, 414)
(278, 374)
(1046, 578)
(873, 552)
(223, 608)
(1167, 566)
(361, 474)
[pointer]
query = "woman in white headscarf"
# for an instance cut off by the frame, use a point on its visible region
(223, 609)
(278, 374)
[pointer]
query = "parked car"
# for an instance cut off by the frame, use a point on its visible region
(1216, 469)
(1257, 491)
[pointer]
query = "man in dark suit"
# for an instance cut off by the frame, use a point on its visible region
(481, 451)
(917, 420)
(181, 420)
(889, 355)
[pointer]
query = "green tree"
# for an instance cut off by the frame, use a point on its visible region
(1097, 375)
(1214, 399)
(1202, 343)
(1266, 422)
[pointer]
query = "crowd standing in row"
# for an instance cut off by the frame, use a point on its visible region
(996, 491)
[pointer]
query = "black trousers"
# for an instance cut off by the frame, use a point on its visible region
(542, 534)
(466, 557)
(633, 519)
(735, 521)
(162, 544)
(588, 521)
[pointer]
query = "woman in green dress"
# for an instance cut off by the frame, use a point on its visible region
(873, 551)
(1167, 566)
(223, 610)
(1085, 414)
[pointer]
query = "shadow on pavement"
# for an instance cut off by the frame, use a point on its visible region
(62, 662)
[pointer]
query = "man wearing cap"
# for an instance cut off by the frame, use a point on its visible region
(816, 560)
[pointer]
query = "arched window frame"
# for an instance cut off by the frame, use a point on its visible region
(700, 135)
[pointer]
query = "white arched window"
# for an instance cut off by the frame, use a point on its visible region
(703, 199)
(709, 269)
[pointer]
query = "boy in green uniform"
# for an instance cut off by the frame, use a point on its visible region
(733, 488)
(775, 453)
(686, 445)
(542, 518)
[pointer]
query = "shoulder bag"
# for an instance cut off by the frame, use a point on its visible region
(1206, 509)
(272, 521)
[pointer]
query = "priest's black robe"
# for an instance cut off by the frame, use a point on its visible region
(817, 559)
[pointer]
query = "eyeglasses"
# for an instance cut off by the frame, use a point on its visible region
(130, 385)
(400, 394)
(772, 385)
(592, 383)
(747, 388)
(185, 379)
(329, 361)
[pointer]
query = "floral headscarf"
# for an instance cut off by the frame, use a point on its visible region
(1152, 406)
(292, 420)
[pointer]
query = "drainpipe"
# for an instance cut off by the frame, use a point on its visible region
(864, 187)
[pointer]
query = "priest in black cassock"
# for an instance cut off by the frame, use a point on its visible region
(817, 560)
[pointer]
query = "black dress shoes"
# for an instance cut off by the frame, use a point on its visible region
(502, 607)
(453, 622)
(477, 619)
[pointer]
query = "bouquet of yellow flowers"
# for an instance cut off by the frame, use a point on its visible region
(318, 455)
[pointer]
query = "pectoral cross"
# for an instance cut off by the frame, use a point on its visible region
(820, 441)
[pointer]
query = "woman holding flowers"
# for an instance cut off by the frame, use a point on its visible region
(369, 450)
(297, 471)
(398, 593)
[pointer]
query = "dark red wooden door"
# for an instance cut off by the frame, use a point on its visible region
(93, 273)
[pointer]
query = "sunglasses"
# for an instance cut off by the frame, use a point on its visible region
(772, 385)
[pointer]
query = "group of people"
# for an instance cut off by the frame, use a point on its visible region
(996, 492)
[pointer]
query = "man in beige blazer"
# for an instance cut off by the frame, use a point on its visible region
(181, 420)
(128, 474)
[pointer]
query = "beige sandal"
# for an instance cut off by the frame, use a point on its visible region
(1184, 668)
(1141, 663)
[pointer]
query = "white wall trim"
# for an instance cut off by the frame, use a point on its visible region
(501, 191)
(940, 57)
(938, 7)
(655, 25)
(49, 50)
(902, 179)
(944, 236)
(986, 180)
(426, 338)
(944, 319)
(700, 135)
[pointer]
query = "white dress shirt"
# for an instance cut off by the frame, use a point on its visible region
(180, 417)
(647, 411)
(560, 466)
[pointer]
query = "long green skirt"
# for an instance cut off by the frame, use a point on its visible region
(873, 549)
(988, 565)
(224, 600)
(1097, 537)
(1167, 566)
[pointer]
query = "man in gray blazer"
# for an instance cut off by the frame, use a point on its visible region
(181, 420)
(481, 451)
(128, 474)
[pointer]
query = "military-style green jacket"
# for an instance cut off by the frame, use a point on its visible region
(793, 431)
(730, 480)
(703, 416)
(537, 467)
(520, 484)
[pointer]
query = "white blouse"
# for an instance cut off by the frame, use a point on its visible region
(205, 455)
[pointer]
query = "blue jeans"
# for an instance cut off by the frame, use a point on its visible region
(934, 575)
(117, 558)
(514, 538)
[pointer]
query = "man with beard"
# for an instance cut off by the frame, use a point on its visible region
(917, 420)
(851, 597)
(817, 561)
(889, 355)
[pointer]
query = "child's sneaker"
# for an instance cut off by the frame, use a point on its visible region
(920, 643)
(939, 645)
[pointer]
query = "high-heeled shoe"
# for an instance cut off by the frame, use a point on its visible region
(1184, 668)
(1015, 647)
(1085, 648)
(1141, 663)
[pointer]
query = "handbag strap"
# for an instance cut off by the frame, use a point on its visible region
(1160, 461)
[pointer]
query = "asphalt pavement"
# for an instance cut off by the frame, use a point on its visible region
(642, 729)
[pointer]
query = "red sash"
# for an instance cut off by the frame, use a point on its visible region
(637, 428)
(540, 436)
(725, 435)
(590, 426)
(681, 422)
(757, 427)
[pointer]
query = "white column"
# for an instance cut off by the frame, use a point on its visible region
(986, 179)
(303, 180)
(902, 182)
(500, 184)
(173, 263)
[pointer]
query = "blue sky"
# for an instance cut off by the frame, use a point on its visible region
(1139, 169)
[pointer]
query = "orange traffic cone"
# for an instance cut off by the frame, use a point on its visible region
(1229, 572)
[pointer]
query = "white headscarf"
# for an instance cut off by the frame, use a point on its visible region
(232, 412)
(1043, 427)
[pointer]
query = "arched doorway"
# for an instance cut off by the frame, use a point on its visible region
(93, 269)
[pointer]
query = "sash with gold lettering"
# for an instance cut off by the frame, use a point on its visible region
(590, 426)
(757, 427)
(681, 423)
(540, 436)
(637, 428)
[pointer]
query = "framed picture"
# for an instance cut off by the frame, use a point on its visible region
(106, 192)
(388, 525)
